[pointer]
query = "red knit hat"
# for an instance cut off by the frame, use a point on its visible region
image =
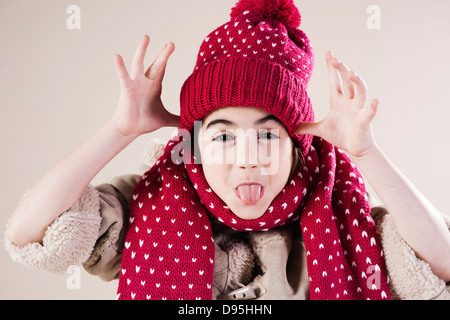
(258, 59)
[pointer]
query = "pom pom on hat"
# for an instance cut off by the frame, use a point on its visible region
(281, 10)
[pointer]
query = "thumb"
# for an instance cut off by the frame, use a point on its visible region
(171, 120)
(312, 128)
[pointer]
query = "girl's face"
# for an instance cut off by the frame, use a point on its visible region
(247, 155)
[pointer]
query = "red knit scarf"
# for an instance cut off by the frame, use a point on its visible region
(169, 245)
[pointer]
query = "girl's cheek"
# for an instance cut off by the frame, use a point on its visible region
(276, 157)
(272, 157)
(217, 154)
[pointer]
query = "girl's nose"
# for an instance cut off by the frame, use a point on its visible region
(248, 166)
(247, 152)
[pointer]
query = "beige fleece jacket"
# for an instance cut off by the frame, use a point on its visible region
(92, 233)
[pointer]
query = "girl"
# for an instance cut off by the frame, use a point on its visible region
(257, 201)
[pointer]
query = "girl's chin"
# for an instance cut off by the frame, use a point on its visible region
(248, 212)
(251, 216)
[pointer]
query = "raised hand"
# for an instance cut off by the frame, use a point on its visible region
(348, 123)
(140, 109)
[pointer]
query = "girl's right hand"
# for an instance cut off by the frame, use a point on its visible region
(140, 109)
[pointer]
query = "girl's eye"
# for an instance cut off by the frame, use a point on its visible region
(268, 135)
(223, 138)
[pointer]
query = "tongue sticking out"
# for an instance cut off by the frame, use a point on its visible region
(249, 194)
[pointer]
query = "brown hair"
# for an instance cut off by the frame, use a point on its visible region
(297, 159)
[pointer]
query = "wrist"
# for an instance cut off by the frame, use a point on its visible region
(369, 153)
(120, 137)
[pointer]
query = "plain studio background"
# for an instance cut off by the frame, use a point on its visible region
(58, 86)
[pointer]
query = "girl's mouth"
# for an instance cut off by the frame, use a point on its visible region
(249, 193)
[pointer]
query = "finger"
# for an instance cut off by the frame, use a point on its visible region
(138, 60)
(333, 76)
(344, 71)
(158, 67)
(360, 89)
(372, 111)
(122, 72)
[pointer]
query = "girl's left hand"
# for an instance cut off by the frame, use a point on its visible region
(348, 123)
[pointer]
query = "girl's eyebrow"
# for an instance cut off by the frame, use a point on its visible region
(218, 121)
(257, 122)
(269, 118)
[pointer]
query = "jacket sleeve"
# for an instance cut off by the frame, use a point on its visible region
(106, 257)
(91, 233)
(410, 278)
